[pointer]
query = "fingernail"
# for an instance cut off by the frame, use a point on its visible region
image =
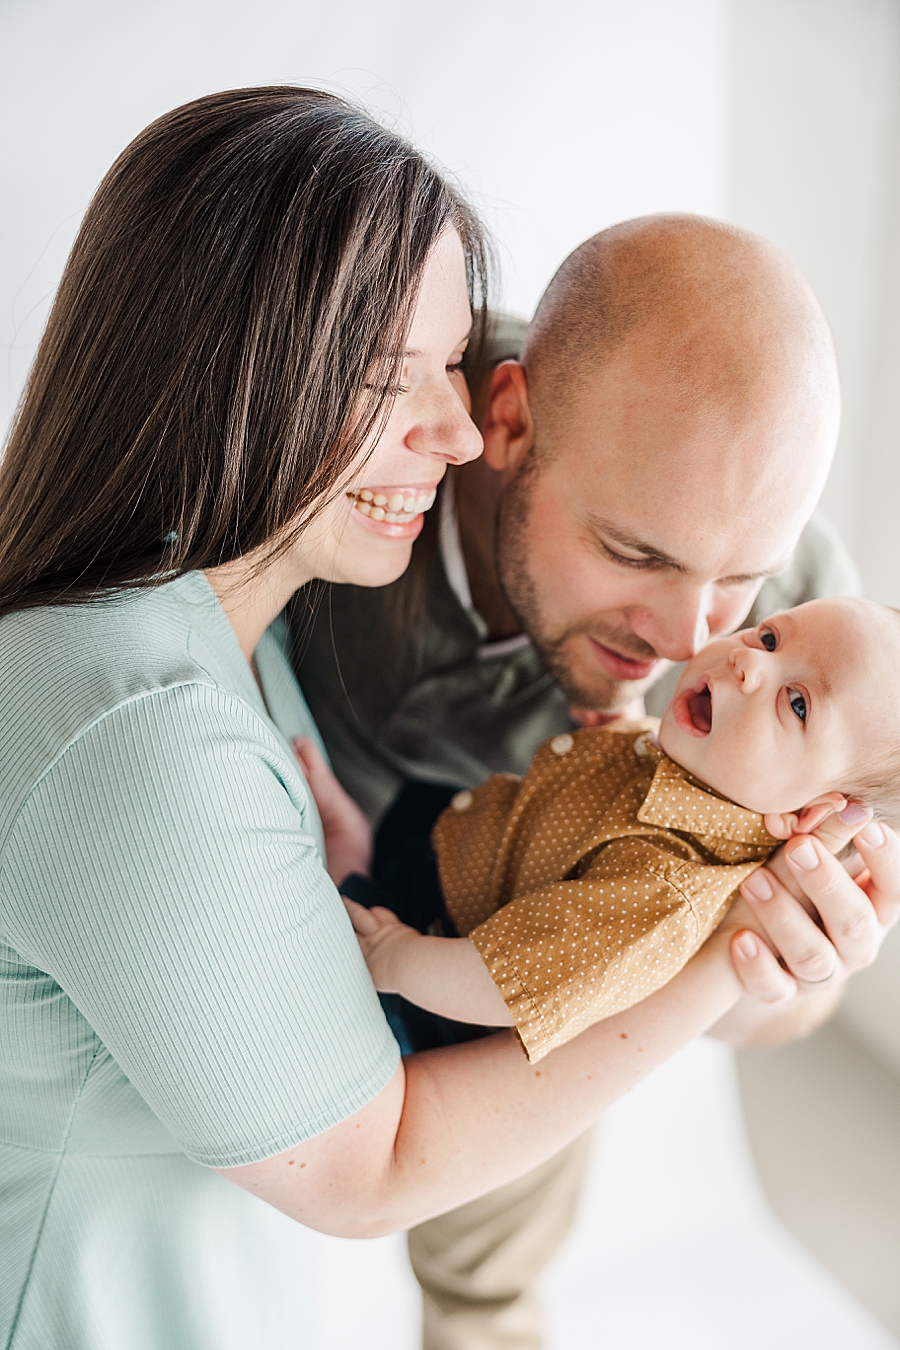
(854, 813)
(747, 946)
(759, 886)
(872, 834)
(804, 856)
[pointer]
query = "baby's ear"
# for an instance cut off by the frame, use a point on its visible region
(812, 815)
(807, 819)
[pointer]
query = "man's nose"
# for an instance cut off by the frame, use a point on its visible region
(679, 626)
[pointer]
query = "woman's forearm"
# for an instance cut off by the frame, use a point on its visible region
(458, 1122)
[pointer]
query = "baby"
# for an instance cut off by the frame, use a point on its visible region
(579, 889)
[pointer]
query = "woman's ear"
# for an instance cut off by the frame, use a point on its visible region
(508, 429)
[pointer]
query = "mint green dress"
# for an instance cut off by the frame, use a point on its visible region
(180, 988)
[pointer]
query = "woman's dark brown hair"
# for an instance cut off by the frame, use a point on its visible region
(226, 335)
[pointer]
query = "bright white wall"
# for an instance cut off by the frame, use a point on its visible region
(781, 114)
(811, 162)
(814, 162)
(559, 118)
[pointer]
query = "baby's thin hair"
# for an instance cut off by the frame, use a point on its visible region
(877, 779)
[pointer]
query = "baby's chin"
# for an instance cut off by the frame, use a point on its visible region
(698, 756)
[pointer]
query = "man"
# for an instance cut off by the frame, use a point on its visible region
(651, 464)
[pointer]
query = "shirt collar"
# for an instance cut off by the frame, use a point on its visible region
(678, 801)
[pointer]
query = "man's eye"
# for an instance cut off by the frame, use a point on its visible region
(798, 704)
(768, 639)
(621, 559)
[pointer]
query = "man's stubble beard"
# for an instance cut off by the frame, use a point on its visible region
(517, 582)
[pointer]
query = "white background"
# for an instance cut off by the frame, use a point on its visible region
(782, 115)
(558, 119)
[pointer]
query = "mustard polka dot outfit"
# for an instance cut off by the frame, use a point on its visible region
(590, 882)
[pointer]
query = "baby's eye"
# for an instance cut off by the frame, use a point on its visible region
(768, 639)
(798, 703)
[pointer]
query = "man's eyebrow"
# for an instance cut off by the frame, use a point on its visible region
(653, 554)
(626, 540)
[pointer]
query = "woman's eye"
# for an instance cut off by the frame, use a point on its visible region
(798, 704)
(455, 368)
(768, 639)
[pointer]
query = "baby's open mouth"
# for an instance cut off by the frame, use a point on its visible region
(699, 708)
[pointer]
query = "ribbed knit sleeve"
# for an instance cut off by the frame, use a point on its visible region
(162, 872)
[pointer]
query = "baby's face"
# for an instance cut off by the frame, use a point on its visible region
(777, 715)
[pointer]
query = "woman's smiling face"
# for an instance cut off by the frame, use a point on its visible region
(365, 536)
(775, 716)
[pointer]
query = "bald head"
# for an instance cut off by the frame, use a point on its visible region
(720, 316)
(661, 447)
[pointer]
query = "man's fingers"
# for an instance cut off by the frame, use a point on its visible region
(758, 969)
(322, 783)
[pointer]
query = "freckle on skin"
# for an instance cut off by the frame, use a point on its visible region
(291, 1163)
(303, 1164)
(624, 1035)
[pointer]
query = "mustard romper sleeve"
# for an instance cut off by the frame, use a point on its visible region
(577, 951)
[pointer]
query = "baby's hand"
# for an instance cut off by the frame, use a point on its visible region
(443, 975)
(387, 944)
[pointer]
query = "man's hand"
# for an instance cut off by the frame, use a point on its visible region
(348, 834)
(819, 924)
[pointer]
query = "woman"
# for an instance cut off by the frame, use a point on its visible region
(258, 335)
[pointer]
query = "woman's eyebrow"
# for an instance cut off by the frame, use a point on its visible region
(415, 351)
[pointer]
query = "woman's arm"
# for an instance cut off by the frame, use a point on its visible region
(458, 1122)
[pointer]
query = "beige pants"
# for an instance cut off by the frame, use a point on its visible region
(478, 1265)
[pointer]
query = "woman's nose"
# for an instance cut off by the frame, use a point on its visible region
(446, 432)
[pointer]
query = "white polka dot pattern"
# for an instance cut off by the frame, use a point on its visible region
(591, 882)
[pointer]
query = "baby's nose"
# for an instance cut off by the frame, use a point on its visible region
(747, 669)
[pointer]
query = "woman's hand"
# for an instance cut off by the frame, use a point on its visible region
(348, 834)
(819, 925)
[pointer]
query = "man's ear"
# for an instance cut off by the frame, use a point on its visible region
(508, 429)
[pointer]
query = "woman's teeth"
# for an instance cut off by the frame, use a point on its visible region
(396, 508)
